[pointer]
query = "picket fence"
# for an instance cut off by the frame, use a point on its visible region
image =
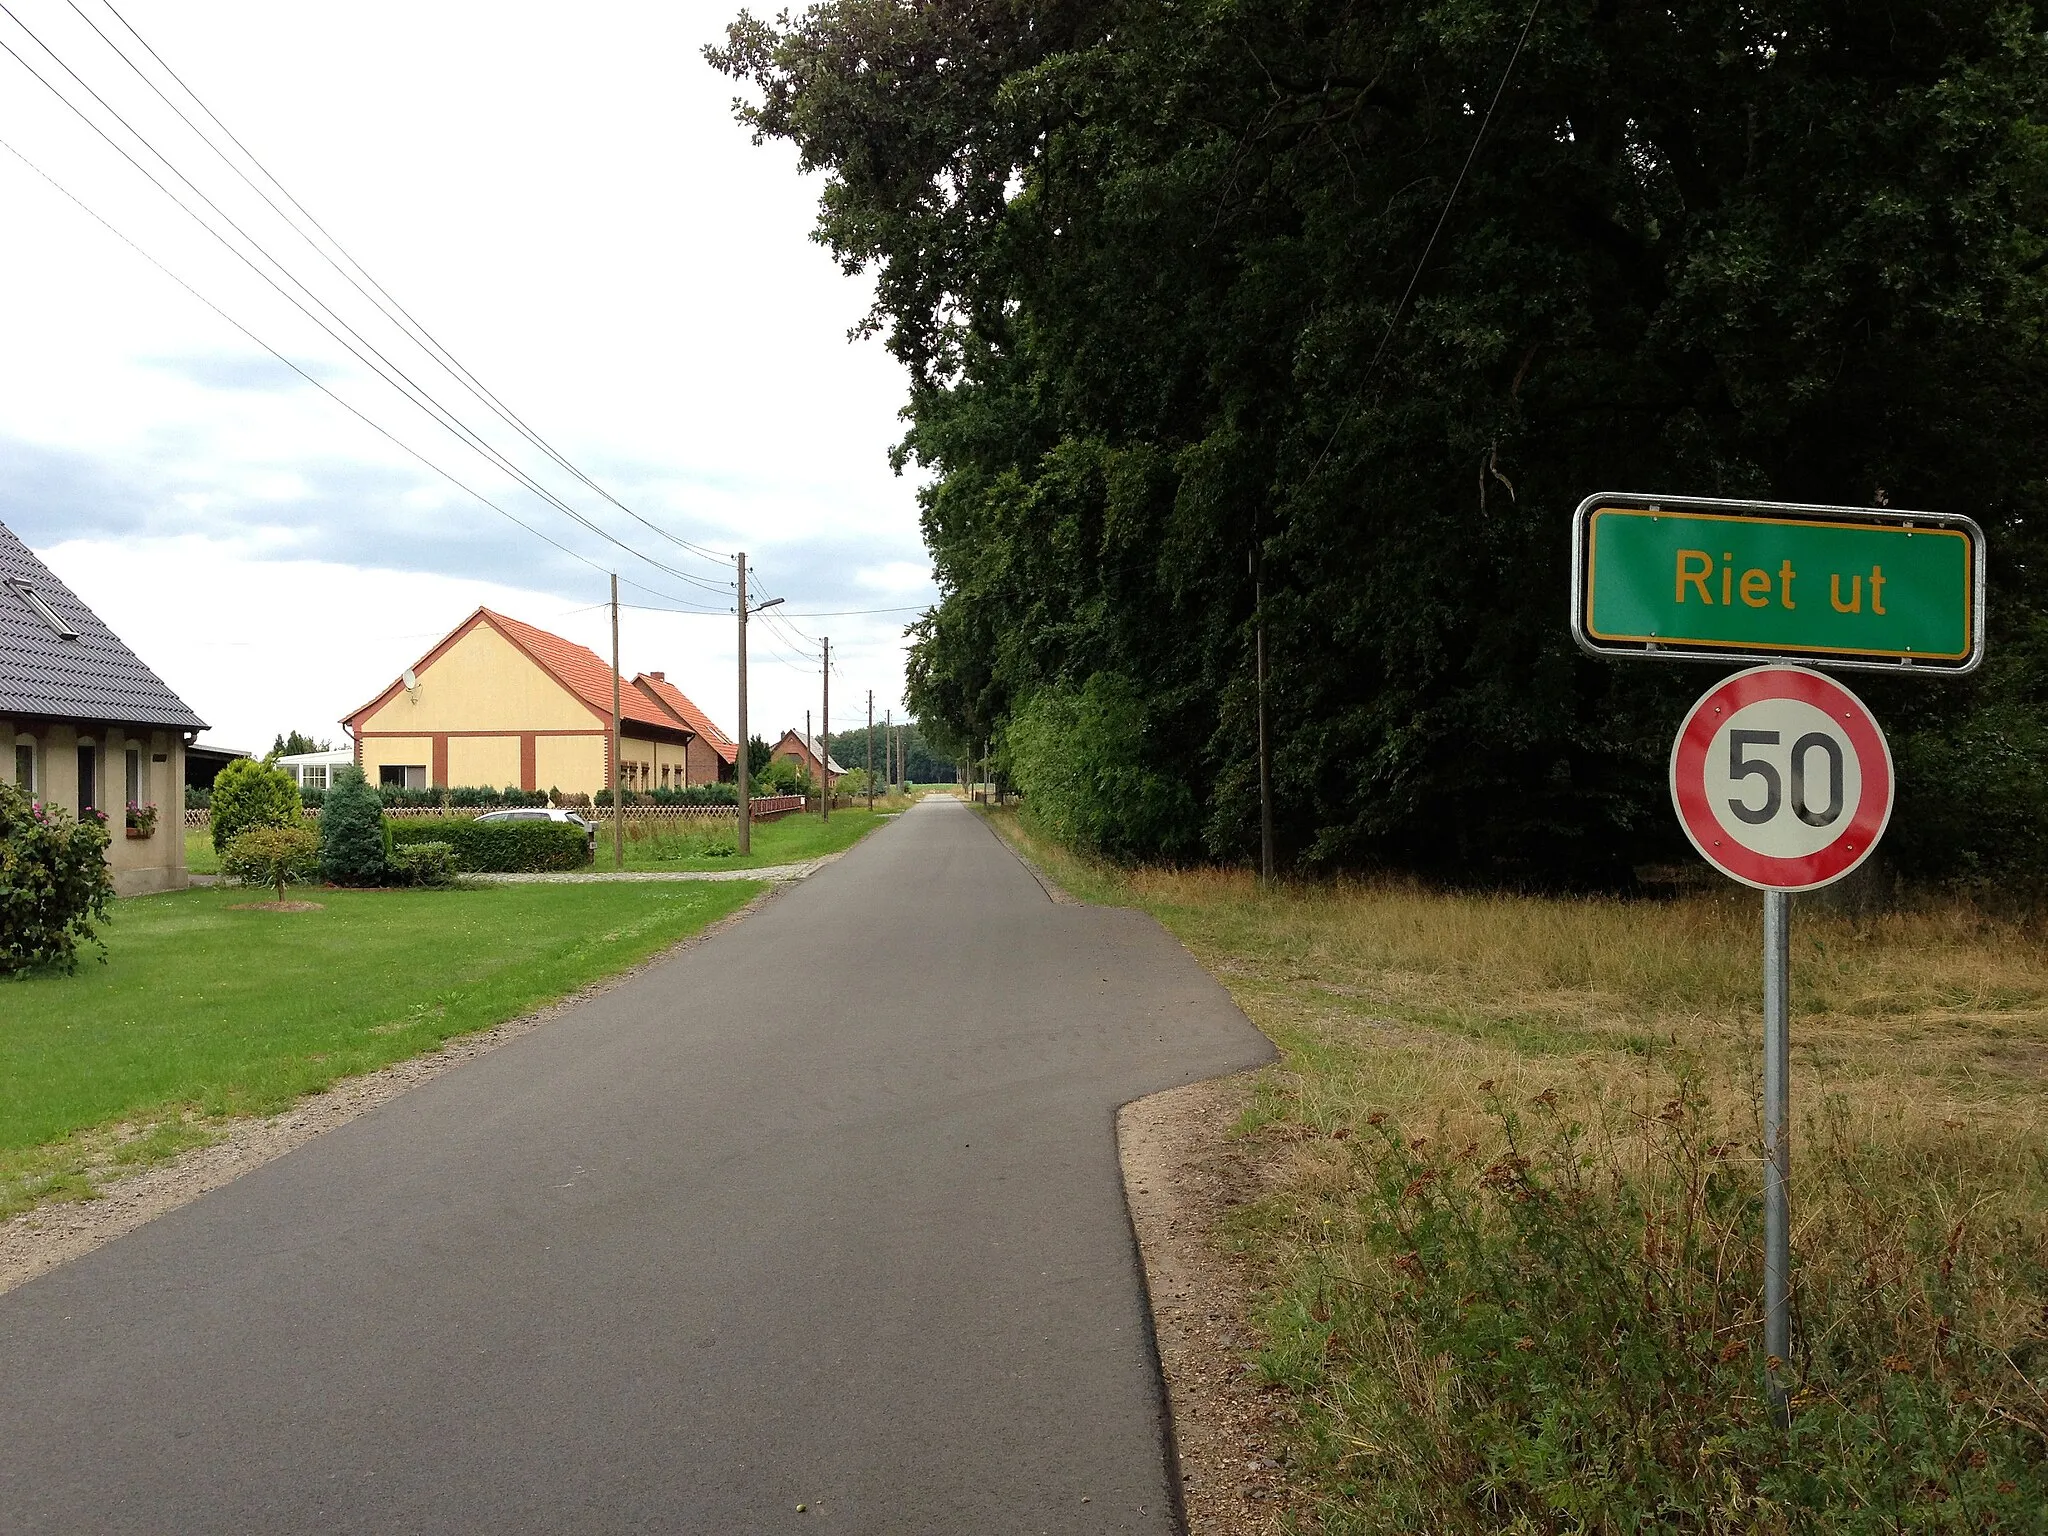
(766, 808)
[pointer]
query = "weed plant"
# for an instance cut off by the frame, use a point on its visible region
(667, 841)
(1549, 1321)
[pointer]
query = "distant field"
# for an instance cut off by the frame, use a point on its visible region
(203, 1011)
(1509, 1261)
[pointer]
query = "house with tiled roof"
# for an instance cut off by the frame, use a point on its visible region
(87, 727)
(713, 755)
(796, 747)
(500, 702)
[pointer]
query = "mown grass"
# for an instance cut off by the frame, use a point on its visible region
(203, 1012)
(1508, 1263)
(709, 845)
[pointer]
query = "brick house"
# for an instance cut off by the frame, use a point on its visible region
(85, 725)
(500, 702)
(795, 747)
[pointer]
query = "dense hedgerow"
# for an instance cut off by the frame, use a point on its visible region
(499, 847)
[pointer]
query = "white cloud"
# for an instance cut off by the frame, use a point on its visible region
(563, 199)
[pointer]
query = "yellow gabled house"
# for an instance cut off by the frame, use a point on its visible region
(499, 703)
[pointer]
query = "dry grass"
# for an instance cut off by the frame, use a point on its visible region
(1632, 1029)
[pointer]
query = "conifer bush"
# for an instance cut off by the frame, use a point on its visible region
(248, 794)
(352, 831)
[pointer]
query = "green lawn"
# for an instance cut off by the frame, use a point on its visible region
(787, 840)
(200, 859)
(202, 1011)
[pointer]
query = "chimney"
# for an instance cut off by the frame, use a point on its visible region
(659, 677)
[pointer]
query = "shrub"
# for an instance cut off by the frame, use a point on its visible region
(198, 797)
(272, 856)
(782, 777)
(1563, 1333)
(1078, 755)
(251, 794)
(352, 831)
(500, 847)
(54, 884)
(428, 864)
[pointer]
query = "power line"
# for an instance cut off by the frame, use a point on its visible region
(413, 392)
(367, 421)
(382, 299)
(1441, 219)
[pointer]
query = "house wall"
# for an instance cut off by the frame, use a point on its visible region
(484, 714)
(140, 865)
(704, 763)
(572, 764)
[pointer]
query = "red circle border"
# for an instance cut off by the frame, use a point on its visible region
(1688, 779)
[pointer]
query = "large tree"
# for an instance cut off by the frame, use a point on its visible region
(1157, 271)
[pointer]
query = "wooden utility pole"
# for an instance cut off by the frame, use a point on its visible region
(871, 749)
(824, 734)
(810, 741)
(1265, 747)
(618, 824)
(741, 764)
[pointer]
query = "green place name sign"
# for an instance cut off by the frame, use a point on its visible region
(1686, 579)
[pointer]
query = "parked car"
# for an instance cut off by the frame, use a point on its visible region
(547, 813)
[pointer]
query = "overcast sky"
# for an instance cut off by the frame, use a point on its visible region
(561, 197)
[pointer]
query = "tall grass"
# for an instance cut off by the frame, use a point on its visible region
(1509, 1255)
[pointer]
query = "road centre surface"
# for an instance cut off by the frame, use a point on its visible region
(825, 1210)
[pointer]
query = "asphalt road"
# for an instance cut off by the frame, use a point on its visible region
(823, 1211)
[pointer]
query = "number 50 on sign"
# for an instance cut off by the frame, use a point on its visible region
(1782, 778)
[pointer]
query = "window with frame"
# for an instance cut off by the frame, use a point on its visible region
(88, 778)
(138, 781)
(25, 764)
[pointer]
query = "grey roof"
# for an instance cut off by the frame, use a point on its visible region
(91, 677)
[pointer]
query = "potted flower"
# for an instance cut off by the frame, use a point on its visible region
(141, 820)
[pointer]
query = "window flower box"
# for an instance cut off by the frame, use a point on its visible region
(141, 821)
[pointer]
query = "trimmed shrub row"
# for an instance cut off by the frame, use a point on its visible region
(499, 847)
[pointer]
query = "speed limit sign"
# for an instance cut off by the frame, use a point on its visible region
(1782, 778)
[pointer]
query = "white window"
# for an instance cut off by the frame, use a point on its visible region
(25, 763)
(138, 782)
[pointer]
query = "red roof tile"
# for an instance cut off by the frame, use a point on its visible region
(580, 670)
(680, 705)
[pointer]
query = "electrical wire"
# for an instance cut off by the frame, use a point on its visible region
(412, 391)
(1442, 218)
(382, 299)
(373, 425)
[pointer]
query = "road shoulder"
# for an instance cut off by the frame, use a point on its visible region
(41, 1239)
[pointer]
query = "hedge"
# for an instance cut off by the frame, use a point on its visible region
(500, 847)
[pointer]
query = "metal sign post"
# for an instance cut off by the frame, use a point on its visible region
(1777, 1139)
(1780, 776)
(1782, 780)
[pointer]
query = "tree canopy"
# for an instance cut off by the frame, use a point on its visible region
(1188, 304)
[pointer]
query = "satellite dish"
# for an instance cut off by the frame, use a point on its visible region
(411, 680)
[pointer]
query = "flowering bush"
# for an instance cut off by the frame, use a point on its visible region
(54, 884)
